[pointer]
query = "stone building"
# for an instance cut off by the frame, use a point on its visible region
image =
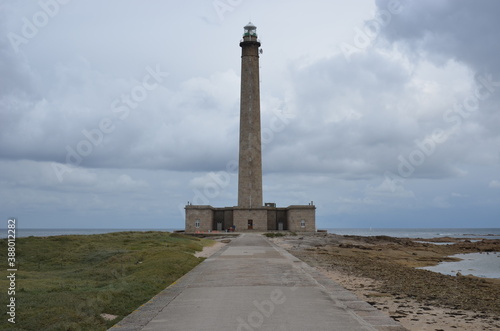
(250, 214)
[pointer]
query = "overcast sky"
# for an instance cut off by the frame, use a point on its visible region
(115, 114)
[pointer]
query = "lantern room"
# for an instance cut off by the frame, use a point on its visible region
(250, 32)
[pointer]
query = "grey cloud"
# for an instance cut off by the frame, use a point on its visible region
(463, 30)
(349, 117)
(345, 123)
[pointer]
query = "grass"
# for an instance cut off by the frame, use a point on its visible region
(67, 282)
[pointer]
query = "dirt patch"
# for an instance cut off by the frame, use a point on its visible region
(210, 250)
(108, 317)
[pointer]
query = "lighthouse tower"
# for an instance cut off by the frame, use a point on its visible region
(251, 214)
(250, 158)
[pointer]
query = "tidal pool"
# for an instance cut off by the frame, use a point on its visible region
(486, 265)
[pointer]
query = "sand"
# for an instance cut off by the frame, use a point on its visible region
(210, 250)
(381, 270)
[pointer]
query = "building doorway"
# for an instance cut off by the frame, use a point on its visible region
(280, 226)
(250, 224)
(219, 226)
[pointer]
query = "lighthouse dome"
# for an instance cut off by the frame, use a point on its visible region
(250, 30)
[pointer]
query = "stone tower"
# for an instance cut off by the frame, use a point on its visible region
(250, 214)
(250, 158)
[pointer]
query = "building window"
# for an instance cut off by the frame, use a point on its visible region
(197, 223)
(303, 223)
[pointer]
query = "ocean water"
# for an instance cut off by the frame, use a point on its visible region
(476, 264)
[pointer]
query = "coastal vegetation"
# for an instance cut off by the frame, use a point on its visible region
(90, 282)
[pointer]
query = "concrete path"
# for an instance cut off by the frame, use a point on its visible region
(251, 284)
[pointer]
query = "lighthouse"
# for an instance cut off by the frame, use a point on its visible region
(250, 154)
(250, 214)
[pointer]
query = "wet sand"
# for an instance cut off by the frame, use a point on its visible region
(382, 271)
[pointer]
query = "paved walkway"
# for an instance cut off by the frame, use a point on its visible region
(251, 284)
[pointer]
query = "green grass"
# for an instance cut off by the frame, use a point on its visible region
(66, 282)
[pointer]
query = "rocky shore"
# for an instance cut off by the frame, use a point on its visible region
(382, 271)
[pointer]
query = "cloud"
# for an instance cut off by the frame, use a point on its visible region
(125, 182)
(332, 128)
(391, 189)
(357, 120)
(441, 202)
(494, 184)
(461, 31)
(181, 129)
(446, 30)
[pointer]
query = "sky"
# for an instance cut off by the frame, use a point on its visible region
(115, 114)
